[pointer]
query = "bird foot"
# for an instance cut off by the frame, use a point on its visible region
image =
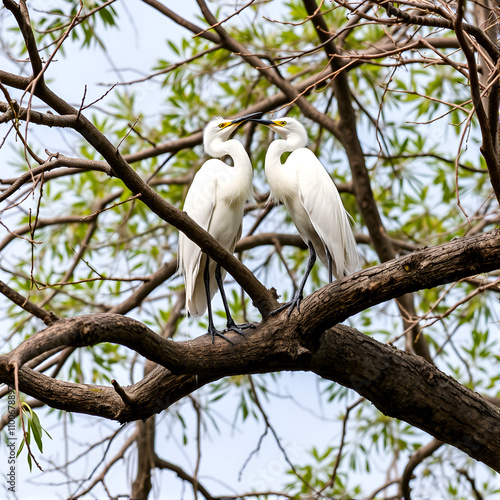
(233, 327)
(216, 333)
(294, 303)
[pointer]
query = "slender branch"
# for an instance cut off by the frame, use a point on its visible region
(118, 456)
(255, 397)
(181, 21)
(477, 494)
(351, 407)
(416, 459)
(478, 33)
(227, 18)
(182, 474)
(47, 317)
(489, 145)
(374, 495)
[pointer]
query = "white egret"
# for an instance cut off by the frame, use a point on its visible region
(215, 201)
(306, 189)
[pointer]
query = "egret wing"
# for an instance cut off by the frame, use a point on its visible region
(199, 205)
(321, 200)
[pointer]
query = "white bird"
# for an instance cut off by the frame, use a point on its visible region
(215, 201)
(306, 189)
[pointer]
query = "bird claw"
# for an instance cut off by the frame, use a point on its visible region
(280, 308)
(295, 302)
(215, 333)
(233, 327)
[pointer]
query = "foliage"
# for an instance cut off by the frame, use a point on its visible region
(34, 432)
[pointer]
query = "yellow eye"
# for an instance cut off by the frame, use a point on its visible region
(281, 123)
(224, 125)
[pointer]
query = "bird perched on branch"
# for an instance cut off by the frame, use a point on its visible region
(215, 201)
(306, 189)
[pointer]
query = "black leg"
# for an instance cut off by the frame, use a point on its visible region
(231, 325)
(211, 328)
(299, 295)
(329, 259)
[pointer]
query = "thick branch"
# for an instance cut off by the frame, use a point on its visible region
(419, 393)
(46, 119)
(425, 268)
(399, 384)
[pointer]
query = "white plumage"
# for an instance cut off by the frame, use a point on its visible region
(215, 201)
(303, 185)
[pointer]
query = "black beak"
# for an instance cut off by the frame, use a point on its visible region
(243, 119)
(262, 122)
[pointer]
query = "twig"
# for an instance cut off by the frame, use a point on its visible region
(97, 100)
(488, 149)
(127, 134)
(182, 474)
(96, 213)
(122, 392)
(197, 409)
(224, 20)
(118, 456)
(331, 481)
(173, 66)
(472, 483)
(81, 105)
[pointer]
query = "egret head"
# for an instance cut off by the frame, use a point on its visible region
(286, 128)
(220, 129)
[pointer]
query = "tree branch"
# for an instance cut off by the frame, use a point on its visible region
(399, 384)
(47, 317)
(416, 459)
(476, 32)
(489, 145)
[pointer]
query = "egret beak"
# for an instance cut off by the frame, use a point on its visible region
(262, 122)
(243, 119)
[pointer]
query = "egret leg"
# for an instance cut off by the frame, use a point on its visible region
(211, 328)
(231, 325)
(299, 295)
(329, 259)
